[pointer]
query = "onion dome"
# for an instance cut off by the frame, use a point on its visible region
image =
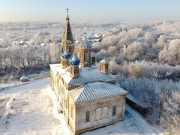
(66, 54)
(74, 60)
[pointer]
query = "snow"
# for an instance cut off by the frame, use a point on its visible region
(84, 76)
(33, 109)
(24, 78)
(96, 90)
(104, 61)
(143, 105)
(42, 44)
(9, 84)
(30, 110)
(21, 42)
(92, 54)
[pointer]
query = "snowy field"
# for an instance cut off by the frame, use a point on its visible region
(31, 109)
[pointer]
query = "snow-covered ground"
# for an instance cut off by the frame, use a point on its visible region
(32, 109)
(15, 83)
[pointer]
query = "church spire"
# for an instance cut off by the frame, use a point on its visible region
(67, 39)
(67, 18)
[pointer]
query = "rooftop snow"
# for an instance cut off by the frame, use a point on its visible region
(95, 90)
(83, 43)
(87, 74)
(135, 100)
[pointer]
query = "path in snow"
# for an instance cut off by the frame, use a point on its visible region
(30, 111)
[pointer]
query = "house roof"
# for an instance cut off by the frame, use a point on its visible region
(136, 101)
(86, 75)
(97, 90)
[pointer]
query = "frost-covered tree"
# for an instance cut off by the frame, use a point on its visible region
(170, 113)
(171, 53)
(161, 96)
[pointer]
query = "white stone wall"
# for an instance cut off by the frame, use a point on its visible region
(98, 112)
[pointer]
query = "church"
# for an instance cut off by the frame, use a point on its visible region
(86, 91)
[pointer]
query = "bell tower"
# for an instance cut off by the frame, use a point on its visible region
(84, 52)
(67, 42)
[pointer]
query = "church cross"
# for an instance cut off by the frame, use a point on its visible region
(67, 11)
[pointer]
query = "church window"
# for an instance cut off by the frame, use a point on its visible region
(70, 50)
(86, 56)
(114, 111)
(87, 116)
(71, 70)
(104, 112)
(72, 111)
(100, 67)
(62, 81)
(98, 114)
(104, 68)
(79, 55)
(76, 70)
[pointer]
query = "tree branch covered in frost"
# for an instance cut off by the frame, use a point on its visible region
(171, 53)
(41, 50)
(139, 69)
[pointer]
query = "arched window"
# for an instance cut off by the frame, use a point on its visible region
(104, 68)
(72, 111)
(114, 111)
(86, 57)
(104, 112)
(72, 70)
(98, 114)
(87, 116)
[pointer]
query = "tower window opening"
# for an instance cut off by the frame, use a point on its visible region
(114, 111)
(87, 116)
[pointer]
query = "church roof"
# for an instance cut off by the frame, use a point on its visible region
(84, 44)
(86, 75)
(104, 61)
(97, 90)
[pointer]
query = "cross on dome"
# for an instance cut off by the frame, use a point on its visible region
(67, 18)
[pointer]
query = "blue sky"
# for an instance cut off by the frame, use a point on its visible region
(89, 10)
